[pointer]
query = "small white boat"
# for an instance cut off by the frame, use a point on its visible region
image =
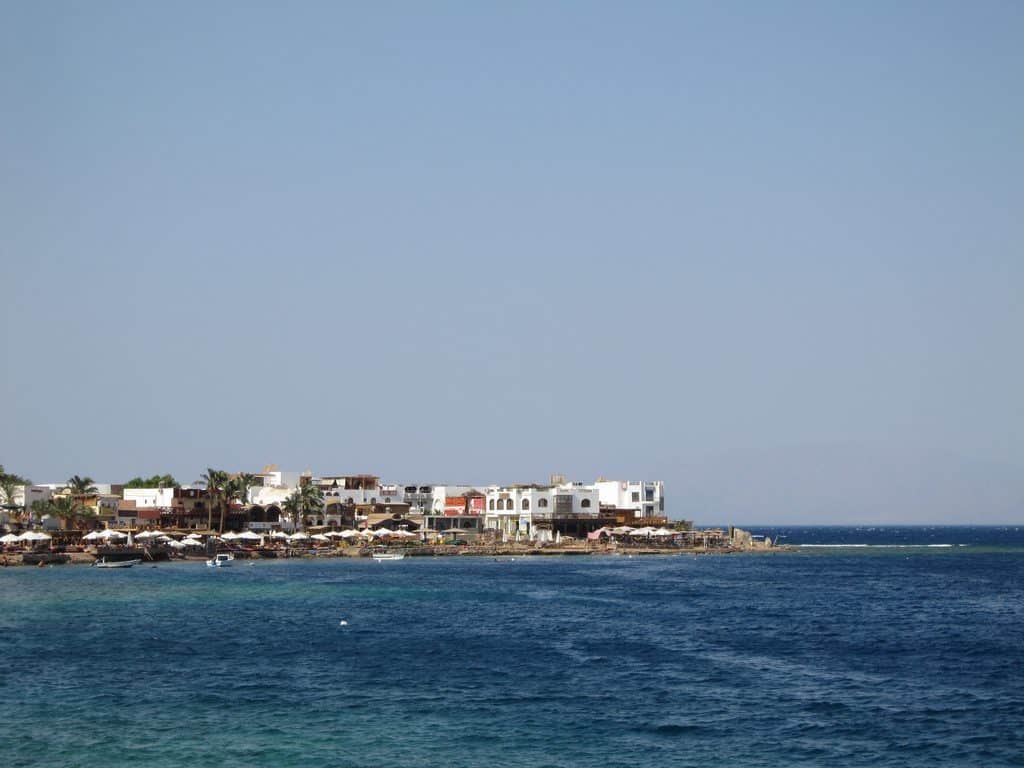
(104, 563)
(223, 560)
(388, 555)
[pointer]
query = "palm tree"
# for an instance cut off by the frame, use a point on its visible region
(81, 487)
(8, 483)
(311, 499)
(216, 480)
(67, 508)
(293, 506)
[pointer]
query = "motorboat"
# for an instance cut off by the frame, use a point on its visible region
(388, 555)
(223, 560)
(104, 563)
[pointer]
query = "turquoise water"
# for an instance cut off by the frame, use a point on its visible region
(884, 656)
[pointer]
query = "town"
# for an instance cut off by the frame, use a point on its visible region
(307, 510)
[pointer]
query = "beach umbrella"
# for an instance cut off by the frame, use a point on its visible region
(10, 538)
(229, 536)
(320, 537)
(91, 536)
(335, 534)
(248, 536)
(191, 543)
(348, 534)
(298, 536)
(34, 536)
(176, 544)
(662, 532)
(279, 535)
(110, 533)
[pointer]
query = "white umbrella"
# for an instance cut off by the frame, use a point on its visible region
(405, 534)
(10, 538)
(298, 536)
(348, 534)
(335, 534)
(279, 535)
(110, 533)
(34, 536)
(229, 536)
(176, 544)
(190, 543)
(320, 537)
(248, 536)
(662, 532)
(92, 536)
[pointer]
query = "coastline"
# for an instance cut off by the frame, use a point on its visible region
(38, 559)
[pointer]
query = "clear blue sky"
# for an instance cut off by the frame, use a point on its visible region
(768, 252)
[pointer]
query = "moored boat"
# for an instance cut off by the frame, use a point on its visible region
(104, 563)
(388, 555)
(222, 560)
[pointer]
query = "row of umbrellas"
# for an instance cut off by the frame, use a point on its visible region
(193, 539)
(625, 530)
(11, 538)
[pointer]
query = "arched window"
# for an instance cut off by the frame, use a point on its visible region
(501, 504)
(490, 504)
(542, 502)
(526, 505)
(373, 499)
(585, 503)
(511, 504)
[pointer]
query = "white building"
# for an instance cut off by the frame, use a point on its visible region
(645, 498)
(538, 512)
(150, 498)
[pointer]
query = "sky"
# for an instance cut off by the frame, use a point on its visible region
(769, 253)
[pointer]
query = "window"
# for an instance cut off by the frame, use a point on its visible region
(490, 504)
(636, 495)
(526, 505)
(542, 503)
(585, 503)
(649, 494)
(501, 504)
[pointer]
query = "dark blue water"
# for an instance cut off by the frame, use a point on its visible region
(997, 536)
(869, 656)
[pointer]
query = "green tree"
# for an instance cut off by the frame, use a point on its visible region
(9, 482)
(156, 481)
(68, 508)
(293, 506)
(302, 502)
(216, 486)
(82, 487)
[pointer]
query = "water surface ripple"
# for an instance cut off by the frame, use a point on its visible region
(880, 657)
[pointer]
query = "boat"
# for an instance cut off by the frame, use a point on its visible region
(223, 560)
(104, 563)
(388, 555)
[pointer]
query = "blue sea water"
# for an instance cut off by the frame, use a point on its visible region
(860, 656)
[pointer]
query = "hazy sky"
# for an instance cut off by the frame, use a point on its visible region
(770, 253)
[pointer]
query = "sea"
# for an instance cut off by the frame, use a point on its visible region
(856, 647)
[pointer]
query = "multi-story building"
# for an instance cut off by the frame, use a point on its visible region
(633, 500)
(543, 512)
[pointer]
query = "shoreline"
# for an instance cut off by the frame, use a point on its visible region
(48, 559)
